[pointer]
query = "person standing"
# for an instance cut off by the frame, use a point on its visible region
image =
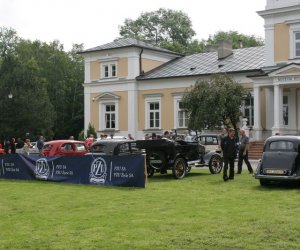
(40, 143)
(229, 147)
(243, 152)
(27, 147)
(12, 145)
(7, 146)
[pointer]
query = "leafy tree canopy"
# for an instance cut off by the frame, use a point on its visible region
(238, 40)
(214, 101)
(46, 85)
(163, 25)
(172, 30)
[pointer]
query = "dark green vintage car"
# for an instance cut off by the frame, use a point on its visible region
(280, 160)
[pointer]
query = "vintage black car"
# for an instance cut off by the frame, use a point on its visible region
(179, 156)
(162, 155)
(115, 147)
(280, 160)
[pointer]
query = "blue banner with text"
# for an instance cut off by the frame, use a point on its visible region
(126, 171)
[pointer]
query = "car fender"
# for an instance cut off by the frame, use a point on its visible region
(208, 156)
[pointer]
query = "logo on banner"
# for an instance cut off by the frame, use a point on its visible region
(98, 171)
(42, 169)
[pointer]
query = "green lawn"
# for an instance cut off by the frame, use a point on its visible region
(198, 212)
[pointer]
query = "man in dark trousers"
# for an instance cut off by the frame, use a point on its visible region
(243, 152)
(229, 148)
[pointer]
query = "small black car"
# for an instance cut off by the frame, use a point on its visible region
(280, 160)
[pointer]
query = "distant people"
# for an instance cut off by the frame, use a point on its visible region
(167, 135)
(71, 138)
(243, 152)
(229, 147)
(147, 137)
(20, 143)
(12, 145)
(222, 135)
(89, 141)
(27, 147)
(188, 137)
(6, 146)
(130, 137)
(154, 136)
(40, 143)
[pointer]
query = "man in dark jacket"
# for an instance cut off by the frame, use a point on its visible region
(229, 148)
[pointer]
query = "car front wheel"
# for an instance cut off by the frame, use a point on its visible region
(215, 164)
(179, 168)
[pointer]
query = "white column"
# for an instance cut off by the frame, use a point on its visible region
(87, 108)
(269, 97)
(277, 109)
(257, 114)
(292, 110)
(133, 111)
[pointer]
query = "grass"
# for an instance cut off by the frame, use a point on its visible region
(198, 212)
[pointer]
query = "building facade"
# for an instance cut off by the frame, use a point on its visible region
(279, 82)
(134, 87)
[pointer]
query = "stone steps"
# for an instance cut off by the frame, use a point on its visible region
(255, 150)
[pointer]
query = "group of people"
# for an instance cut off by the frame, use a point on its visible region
(12, 145)
(230, 146)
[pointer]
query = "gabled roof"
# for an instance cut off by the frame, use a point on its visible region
(241, 60)
(129, 42)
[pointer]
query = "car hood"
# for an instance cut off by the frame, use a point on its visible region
(278, 160)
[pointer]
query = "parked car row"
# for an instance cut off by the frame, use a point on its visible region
(280, 160)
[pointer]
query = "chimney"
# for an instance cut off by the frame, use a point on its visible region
(224, 49)
(211, 48)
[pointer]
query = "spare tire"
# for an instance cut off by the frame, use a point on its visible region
(157, 160)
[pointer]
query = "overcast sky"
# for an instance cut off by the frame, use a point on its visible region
(96, 22)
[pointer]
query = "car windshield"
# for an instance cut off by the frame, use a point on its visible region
(282, 145)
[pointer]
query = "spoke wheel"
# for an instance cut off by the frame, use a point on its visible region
(179, 168)
(215, 164)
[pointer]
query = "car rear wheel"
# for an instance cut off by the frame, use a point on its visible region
(215, 164)
(264, 182)
(179, 168)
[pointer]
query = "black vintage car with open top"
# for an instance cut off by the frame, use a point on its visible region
(280, 160)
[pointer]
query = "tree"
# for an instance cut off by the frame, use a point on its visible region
(46, 83)
(163, 25)
(29, 109)
(214, 101)
(91, 131)
(238, 40)
(8, 41)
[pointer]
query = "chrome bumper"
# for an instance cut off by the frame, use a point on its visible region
(277, 177)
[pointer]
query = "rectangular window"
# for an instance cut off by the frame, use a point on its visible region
(109, 70)
(182, 116)
(113, 70)
(106, 73)
(110, 116)
(154, 114)
(297, 44)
